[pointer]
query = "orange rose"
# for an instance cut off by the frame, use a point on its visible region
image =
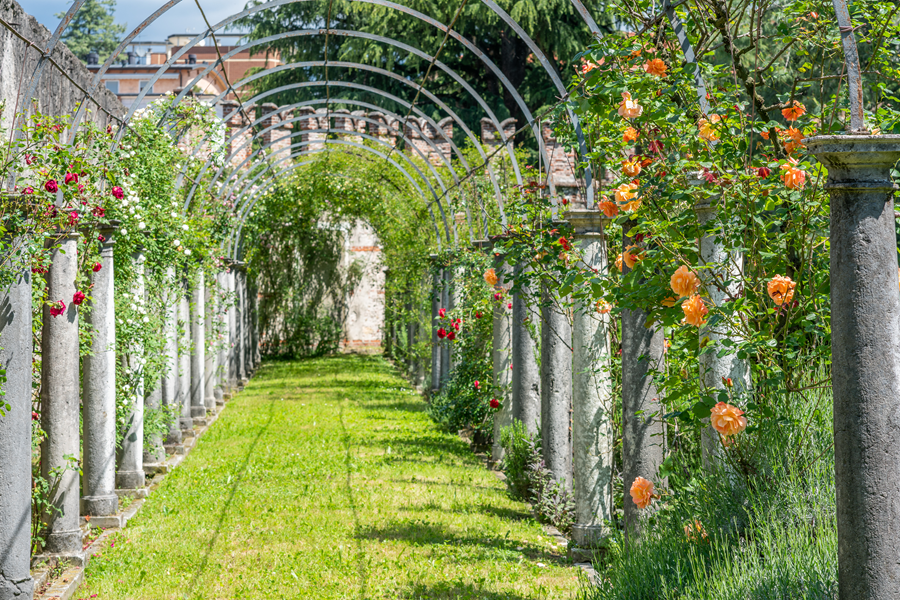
(610, 209)
(781, 289)
(631, 168)
(655, 67)
(765, 134)
(587, 67)
(632, 255)
(684, 282)
(795, 134)
(794, 112)
(694, 311)
(627, 197)
(728, 420)
(793, 178)
(631, 134)
(490, 277)
(642, 492)
(603, 307)
(669, 302)
(619, 262)
(628, 108)
(708, 130)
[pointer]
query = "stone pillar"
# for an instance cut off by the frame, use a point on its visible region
(526, 380)
(436, 285)
(222, 383)
(210, 299)
(642, 426)
(130, 474)
(556, 388)
(455, 299)
(410, 337)
(865, 369)
(240, 343)
(255, 357)
(170, 396)
(248, 327)
(99, 389)
(592, 401)
(185, 421)
(447, 281)
(501, 356)
(720, 280)
(60, 396)
(198, 348)
(15, 434)
(232, 331)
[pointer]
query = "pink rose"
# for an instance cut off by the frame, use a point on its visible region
(28, 191)
(73, 217)
(118, 193)
(51, 186)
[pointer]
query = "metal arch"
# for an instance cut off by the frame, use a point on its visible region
(425, 92)
(227, 189)
(354, 103)
(367, 149)
(95, 83)
(362, 146)
(353, 85)
(345, 33)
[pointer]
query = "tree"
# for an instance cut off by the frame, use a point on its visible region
(554, 25)
(93, 29)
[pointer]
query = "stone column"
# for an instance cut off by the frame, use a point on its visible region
(721, 280)
(446, 282)
(501, 356)
(455, 299)
(248, 327)
(436, 284)
(865, 350)
(130, 473)
(255, 356)
(60, 396)
(223, 340)
(198, 348)
(232, 330)
(99, 389)
(170, 396)
(15, 434)
(526, 379)
(240, 345)
(210, 299)
(556, 387)
(592, 401)
(185, 421)
(642, 426)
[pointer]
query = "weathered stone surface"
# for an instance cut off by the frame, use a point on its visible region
(60, 400)
(99, 384)
(170, 377)
(198, 347)
(130, 474)
(556, 388)
(436, 285)
(865, 350)
(526, 379)
(501, 356)
(15, 436)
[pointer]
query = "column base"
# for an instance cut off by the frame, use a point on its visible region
(590, 536)
(185, 424)
(198, 412)
(130, 480)
(218, 393)
(99, 506)
(23, 588)
(65, 543)
(156, 455)
(173, 438)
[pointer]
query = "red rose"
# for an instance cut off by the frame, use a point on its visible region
(97, 267)
(71, 178)
(98, 211)
(477, 384)
(51, 186)
(78, 298)
(442, 333)
(29, 158)
(763, 172)
(495, 404)
(57, 308)
(498, 296)
(28, 191)
(442, 313)
(451, 335)
(118, 193)
(73, 217)
(477, 315)
(35, 416)
(509, 305)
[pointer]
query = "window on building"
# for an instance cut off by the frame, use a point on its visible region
(145, 84)
(113, 86)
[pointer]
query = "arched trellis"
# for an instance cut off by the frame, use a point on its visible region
(228, 189)
(248, 205)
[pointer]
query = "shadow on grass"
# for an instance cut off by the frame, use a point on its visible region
(457, 591)
(226, 507)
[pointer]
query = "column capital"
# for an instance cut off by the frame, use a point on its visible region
(857, 162)
(586, 222)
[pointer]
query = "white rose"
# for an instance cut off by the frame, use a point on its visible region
(187, 251)
(123, 231)
(146, 319)
(185, 227)
(177, 242)
(174, 215)
(142, 225)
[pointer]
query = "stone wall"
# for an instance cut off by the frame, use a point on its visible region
(55, 94)
(365, 306)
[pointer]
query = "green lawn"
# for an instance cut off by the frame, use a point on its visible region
(325, 479)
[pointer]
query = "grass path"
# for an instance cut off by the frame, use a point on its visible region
(325, 479)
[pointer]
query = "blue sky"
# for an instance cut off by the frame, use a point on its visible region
(182, 18)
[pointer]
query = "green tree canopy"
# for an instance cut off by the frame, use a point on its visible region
(93, 28)
(553, 24)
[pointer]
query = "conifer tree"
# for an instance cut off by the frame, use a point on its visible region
(93, 28)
